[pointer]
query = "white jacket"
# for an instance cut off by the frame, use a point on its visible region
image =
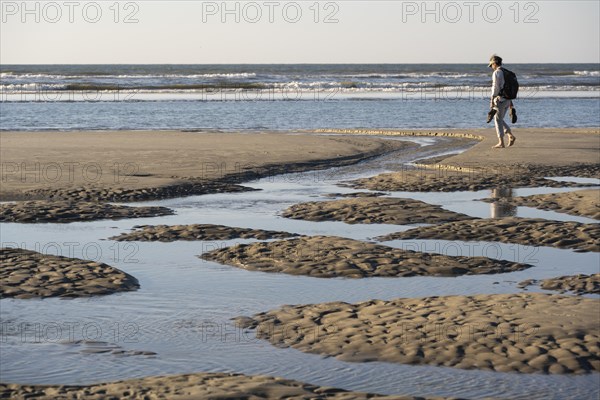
(497, 84)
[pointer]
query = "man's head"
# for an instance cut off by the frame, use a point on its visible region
(495, 62)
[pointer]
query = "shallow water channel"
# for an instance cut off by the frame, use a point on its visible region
(183, 309)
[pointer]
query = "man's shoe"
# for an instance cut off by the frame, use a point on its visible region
(513, 115)
(490, 115)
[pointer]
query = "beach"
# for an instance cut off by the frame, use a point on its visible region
(200, 193)
(64, 164)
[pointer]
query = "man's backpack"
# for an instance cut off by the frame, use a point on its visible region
(511, 85)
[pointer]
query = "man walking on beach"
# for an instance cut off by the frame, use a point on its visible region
(499, 103)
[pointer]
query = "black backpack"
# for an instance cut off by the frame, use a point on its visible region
(511, 85)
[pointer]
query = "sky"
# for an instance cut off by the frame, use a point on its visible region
(273, 31)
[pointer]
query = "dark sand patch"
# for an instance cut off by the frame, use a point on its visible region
(526, 231)
(26, 274)
(356, 194)
(88, 193)
(578, 284)
(166, 233)
(452, 178)
(68, 211)
(331, 257)
(373, 211)
(508, 333)
(192, 386)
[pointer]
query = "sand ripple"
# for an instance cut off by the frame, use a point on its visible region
(507, 333)
(27, 274)
(373, 211)
(578, 284)
(193, 386)
(166, 233)
(525, 231)
(448, 178)
(581, 202)
(118, 194)
(68, 211)
(330, 257)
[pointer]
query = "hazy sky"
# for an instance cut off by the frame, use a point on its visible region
(298, 31)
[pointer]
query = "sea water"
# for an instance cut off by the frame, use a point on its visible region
(290, 96)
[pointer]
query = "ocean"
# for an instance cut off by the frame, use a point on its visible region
(288, 97)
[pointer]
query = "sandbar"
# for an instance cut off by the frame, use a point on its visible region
(525, 332)
(577, 284)
(377, 210)
(27, 274)
(525, 231)
(332, 257)
(172, 233)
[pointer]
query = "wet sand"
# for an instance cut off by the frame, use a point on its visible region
(166, 233)
(451, 178)
(37, 211)
(332, 257)
(27, 274)
(526, 333)
(373, 211)
(577, 284)
(525, 231)
(355, 194)
(534, 146)
(584, 203)
(137, 165)
(215, 386)
(538, 153)
(71, 171)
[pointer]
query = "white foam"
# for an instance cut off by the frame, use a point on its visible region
(587, 73)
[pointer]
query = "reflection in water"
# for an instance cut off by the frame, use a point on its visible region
(502, 206)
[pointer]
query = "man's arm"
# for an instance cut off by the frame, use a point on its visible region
(497, 84)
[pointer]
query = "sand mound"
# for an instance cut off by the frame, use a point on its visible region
(192, 386)
(69, 211)
(27, 274)
(578, 284)
(508, 333)
(448, 178)
(330, 257)
(585, 203)
(526, 231)
(166, 233)
(373, 211)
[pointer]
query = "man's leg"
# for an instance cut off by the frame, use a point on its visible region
(501, 125)
(508, 131)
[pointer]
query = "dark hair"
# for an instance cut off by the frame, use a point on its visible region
(497, 60)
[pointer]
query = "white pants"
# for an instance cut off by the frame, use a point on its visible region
(501, 125)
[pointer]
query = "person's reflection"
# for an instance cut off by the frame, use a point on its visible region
(502, 206)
